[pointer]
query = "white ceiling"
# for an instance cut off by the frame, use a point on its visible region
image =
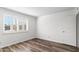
(39, 11)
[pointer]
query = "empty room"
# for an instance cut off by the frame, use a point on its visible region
(39, 29)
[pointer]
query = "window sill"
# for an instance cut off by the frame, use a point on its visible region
(14, 32)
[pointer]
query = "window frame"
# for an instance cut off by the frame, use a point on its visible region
(17, 26)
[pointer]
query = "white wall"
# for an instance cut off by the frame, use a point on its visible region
(49, 27)
(8, 39)
(59, 27)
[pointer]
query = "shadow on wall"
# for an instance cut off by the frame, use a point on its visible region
(77, 28)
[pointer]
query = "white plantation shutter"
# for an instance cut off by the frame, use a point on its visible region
(14, 25)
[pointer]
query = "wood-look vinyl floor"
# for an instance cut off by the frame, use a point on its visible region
(39, 45)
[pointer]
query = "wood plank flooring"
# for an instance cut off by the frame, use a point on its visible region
(39, 45)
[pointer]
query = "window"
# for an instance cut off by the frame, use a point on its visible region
(20, 27)
(7, 27)
(9, 24)
(24, 26)
(12, 25)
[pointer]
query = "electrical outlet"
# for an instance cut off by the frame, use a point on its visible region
(63, 31)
